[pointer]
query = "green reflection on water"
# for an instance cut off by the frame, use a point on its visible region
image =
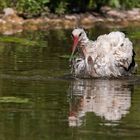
(37, 73)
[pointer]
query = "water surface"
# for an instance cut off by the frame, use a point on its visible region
(39, 101)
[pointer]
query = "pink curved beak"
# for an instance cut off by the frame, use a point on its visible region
(75, 43)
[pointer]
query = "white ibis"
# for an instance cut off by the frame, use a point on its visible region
(111, 55)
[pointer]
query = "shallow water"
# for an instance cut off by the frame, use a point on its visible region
(39, 101)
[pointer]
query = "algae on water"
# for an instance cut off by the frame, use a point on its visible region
(22, 41)
(12, 99)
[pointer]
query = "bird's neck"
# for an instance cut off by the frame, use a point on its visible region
(84, 40)
(83, 45)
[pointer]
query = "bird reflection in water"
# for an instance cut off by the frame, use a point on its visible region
(109, 99)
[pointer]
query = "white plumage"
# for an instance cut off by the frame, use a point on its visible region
(111, 55)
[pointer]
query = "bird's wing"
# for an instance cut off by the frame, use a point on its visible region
(115, 48)
(122, 50)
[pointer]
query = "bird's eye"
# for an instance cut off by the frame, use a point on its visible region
(72, 36)
(80, 34)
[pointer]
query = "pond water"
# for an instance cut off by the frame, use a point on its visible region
(39, 100)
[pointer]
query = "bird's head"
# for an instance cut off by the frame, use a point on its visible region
(78, 35)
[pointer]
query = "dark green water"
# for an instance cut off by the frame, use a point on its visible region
(38, 101)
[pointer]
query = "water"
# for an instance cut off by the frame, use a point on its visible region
(39, 101)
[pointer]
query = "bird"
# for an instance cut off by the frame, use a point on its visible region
(110, 55)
